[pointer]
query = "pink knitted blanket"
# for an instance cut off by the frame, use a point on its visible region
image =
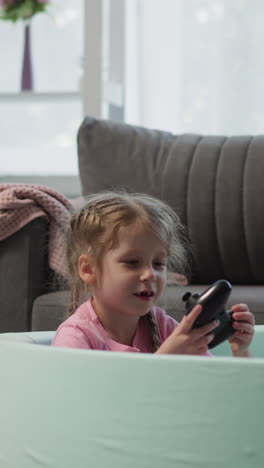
(21, 203)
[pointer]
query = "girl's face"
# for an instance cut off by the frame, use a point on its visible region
(133, 274)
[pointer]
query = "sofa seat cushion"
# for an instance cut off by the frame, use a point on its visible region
(49, 310)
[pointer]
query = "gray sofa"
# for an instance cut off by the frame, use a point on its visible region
(213, 182)
(24, 275)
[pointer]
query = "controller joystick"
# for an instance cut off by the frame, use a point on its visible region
(213, 300)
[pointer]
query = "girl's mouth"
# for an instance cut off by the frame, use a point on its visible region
(145, 295)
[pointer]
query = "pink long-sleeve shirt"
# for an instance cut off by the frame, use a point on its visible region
(83, 329)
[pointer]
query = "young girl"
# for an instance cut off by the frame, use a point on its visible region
(119, 249)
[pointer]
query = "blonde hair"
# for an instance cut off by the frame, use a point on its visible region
(95, 229)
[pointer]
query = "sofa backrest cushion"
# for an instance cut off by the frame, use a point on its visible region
(214, 183)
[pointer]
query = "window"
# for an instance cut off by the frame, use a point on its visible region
(197, 65)
(38, 129)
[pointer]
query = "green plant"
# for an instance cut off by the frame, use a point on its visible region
(14, 10)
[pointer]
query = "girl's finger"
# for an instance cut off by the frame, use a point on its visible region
(201, 346)
(205, 329)
(245, 316)
(243, 327)
(241, 336)
(202, 350)
(188, 320)
(204, 342)
(240, 307)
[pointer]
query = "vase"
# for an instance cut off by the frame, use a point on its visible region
(27, 72)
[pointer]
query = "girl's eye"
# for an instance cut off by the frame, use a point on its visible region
(160, 265)
(131, 262)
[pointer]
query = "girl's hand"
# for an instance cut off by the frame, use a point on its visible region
(244, 330)
(186, 340)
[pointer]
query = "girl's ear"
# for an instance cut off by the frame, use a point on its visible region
(86, 269)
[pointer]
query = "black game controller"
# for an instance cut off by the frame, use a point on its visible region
(213, 300)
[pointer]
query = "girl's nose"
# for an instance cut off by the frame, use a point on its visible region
(147, 274)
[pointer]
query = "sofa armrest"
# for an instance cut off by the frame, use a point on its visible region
(24, 274)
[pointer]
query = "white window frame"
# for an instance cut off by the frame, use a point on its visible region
(103, 86)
